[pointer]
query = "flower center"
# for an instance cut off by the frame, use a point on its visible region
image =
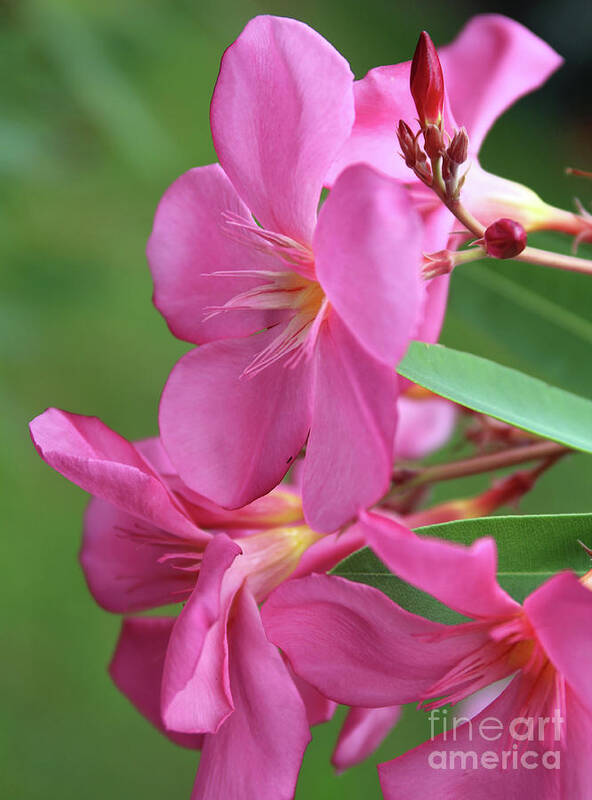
(512, 647)
(270, 557)
(272, 538)
(292, 289)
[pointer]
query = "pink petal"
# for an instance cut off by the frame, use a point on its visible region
(425, 424)
(281, 506)
(196, 695)
(319, 708)
(368, 255)
(329, 550)
(476, 702)
(136, 669)
(433, 309)
(577, 755)
(258, 751)
(437, 225)
(119, 557)
(492, 63)
(233, 438)
(349, 451)
(282, 108)
(463, 578)
(489, 197)
(356, 646)
(190, 240)
(413, 775)
(154, 453)
(105, 464)
(382, 98)
(362, 733)
(560, 612)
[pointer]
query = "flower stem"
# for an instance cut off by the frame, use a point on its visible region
(478, 464)
(546, 258)
(530, 255)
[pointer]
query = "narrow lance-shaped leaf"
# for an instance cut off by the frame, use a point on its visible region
(530, 550)
(501, 392)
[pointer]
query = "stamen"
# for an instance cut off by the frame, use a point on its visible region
(294, 290)
(289, 250)
(292, 336)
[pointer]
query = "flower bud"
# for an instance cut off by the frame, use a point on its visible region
(504, 238)
(458, 149)
(433, 141)
(435, 264)
(427, 82)
(407, 143)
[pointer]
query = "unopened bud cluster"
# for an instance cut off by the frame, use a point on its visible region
(427, 89)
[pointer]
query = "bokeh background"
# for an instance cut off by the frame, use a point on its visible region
(103, 105)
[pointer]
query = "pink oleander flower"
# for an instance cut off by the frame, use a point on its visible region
(150, 541)
(369, 651)
(209, 679)
(492, 63)
(301, 315)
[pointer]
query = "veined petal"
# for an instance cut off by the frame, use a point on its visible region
(258, 751)
(233, 438)
(419, 773)
(103, 463)
(120, 558)
(282, 108)
(492, 63)
(196, 694)
(349, 451)
(560, 612)
(367, 248)
(136, 670)
(191, 240)
(362, 732)
(356, 646)
(463, 578)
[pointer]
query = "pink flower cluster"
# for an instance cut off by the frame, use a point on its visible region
(294, 265)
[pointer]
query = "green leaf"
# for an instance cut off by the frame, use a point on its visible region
(531, 549)
(501, 392)
(531, 318)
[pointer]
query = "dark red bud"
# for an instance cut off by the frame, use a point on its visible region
(458, 149)
(407, 143)
(505, 238)
(427, 82)
(423, 169)
(433, 141)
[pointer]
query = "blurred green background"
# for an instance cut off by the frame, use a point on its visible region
(103, 105)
